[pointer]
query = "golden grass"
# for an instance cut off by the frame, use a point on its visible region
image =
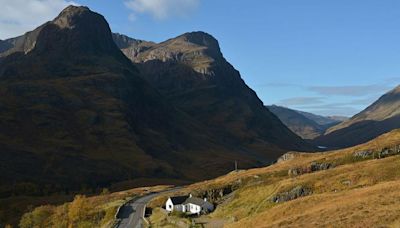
(364, 207)
(356, 193)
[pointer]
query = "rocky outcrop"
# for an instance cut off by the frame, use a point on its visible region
(217, 195)
(297, 192)
(313, 167)
(363, 154)
(286, 157)
(316, 166)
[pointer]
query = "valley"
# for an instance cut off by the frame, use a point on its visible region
(100, 129)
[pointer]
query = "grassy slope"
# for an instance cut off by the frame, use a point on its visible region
(365, 190)
(356, 193)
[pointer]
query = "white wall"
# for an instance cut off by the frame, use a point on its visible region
(169, 206)
(193, 209)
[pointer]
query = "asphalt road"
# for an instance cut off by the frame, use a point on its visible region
(131, 214)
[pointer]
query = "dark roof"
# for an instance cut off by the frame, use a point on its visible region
(196, 201)
(178, 199)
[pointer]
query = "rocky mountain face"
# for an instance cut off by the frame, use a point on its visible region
(304, 124)
(4, 46)
(380, 117)
(192, 73)
(75, 112)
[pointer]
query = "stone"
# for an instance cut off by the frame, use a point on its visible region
(297, 192)
(286, 157)
(315, 166)
(362, 154)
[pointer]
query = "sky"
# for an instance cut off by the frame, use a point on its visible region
(332, 57)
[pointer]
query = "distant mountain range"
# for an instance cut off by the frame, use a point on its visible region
(304, 124)
(75, 112)
(380, 117)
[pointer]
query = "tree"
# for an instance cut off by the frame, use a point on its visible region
(78, 210)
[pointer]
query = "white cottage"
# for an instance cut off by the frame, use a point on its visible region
(189, 205)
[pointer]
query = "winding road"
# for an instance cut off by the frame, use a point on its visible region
(131, 214)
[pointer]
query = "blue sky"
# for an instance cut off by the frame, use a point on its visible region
(330, 57)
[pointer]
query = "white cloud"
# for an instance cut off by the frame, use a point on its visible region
(161, 9)
(20, 16)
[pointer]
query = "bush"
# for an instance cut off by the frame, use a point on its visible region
(39, 217)
(78, 209)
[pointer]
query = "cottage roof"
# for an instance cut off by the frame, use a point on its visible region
(178, 199)
(196, 201)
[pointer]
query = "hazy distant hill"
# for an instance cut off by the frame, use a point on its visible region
(192, 73)
(304, 124)
(324, 120)
(380, 117)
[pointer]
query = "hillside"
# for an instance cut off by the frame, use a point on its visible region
(304, 124)
(192, 73)
(76, 114)
(380, 117)
(354, 187)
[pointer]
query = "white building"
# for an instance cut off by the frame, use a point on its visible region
(189, 205)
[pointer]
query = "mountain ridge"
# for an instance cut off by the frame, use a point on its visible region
(380, 117)
(72, 102)
(183, 69)
(304, 124)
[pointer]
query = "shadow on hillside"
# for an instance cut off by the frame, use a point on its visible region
(357, 133)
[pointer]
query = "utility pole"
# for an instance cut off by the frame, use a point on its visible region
(236, 166)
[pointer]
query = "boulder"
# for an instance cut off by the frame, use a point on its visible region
(363, 154)
(298, 191)
(315, 166)
(286, 157)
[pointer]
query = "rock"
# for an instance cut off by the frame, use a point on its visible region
(286, 157)
(384, 153)
(346, 182)
(295, 172)
(298, 191)
(315, 166)
(362, 154)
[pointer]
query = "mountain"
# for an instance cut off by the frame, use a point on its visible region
(327, 121)
(192, 73)
(76, 113)
(306, 125)
(4, 46)
(380, 117)
(297, 122)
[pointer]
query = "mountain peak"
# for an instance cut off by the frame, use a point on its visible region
(72, 15)
(200, 38)
(76, 29)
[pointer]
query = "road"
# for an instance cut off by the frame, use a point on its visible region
(131, 214)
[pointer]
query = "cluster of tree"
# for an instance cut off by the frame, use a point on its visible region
(79, 213)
